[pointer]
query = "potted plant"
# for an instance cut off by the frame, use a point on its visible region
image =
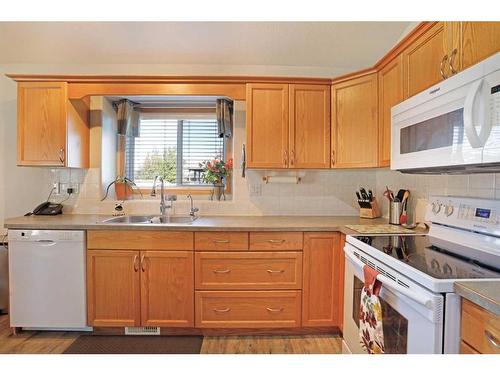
(214, 172)
(123, 188)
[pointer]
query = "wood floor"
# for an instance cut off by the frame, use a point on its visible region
(36, 342)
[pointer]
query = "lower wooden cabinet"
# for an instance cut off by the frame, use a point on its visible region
(321, 287)
(167, 290)
(113, 288)
(480, 330)
(248, 309)
(140, 288)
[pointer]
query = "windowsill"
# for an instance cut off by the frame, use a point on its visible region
(194, 190)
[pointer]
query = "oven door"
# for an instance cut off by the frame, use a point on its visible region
(412, 317)
(445, 126)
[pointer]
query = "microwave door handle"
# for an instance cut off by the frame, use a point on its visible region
(476, 140)
(391, 285)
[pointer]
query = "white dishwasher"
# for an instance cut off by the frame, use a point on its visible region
(47, 279)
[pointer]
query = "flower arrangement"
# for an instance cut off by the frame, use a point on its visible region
(214, 171)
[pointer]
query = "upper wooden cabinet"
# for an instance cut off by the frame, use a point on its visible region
(52, 131)
(288, 126)
(309, 126)
(354, 122)
(390, 93)
(267, 125)
(426, 59)
(479, 40)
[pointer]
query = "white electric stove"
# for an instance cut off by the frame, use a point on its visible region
(420, 309)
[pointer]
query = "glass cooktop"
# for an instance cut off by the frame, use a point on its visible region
(419, 252)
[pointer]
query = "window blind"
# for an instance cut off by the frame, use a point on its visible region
(171, 147)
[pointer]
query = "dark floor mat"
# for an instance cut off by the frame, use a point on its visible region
(136, 345)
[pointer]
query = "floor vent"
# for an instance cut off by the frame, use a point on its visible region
(151, 331)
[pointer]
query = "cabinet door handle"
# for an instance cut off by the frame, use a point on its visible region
(270, 309)
(275, 271)
(285, 159)
(222, 271)
(276, 241)
(452, 58)
(227, 309)
(493, 341)
(441, 67)
(220, 241)
(143, 258)
(333, 157)
(61, 155)
(136, 266)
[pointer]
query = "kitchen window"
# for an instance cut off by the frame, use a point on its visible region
(172, 146)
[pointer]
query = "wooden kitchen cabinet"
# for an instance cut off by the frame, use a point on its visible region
(113, 288)
(309, 126)
(354, 122)
(480, 330)
(167, 290)
(288, 126)
(267, 125)
(390, 93)
(52, 130)
(479, 41)
(426, 60)
(321, 279)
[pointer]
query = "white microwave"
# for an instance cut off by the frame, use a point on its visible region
(452, 127)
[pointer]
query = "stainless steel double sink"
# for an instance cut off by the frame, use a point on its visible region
(150, 220)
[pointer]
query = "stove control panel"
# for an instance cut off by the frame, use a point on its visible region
(480, 215)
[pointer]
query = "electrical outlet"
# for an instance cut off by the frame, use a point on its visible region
(57, 188)
(255, 190)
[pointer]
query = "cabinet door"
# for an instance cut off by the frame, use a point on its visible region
(309, 126)
(41, 123)
(113, 288)
(390, 93)
(267, 125)
(424, 58)
(167, 288)
(354, 123)
(479, 40)
(320, 280)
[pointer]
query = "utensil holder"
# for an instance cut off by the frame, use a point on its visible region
(395, 212)
(371, 213)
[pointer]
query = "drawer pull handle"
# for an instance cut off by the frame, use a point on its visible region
(276, 241)
(221, 241)
(221, 271)
(275, 310)
(491, 339)
(275, 271)
(227, 309)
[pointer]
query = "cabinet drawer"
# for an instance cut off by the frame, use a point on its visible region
(139, 240)
(220, 241)
(479, 328)
(249, 270)
(248, 309)
(276, 241)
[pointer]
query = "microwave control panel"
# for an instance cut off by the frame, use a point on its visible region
(495, 105)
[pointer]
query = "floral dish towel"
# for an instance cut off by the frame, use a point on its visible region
(371, 333)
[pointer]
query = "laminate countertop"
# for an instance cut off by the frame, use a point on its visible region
(203, 223)
(481, 292)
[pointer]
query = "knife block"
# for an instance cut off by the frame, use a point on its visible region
(371, 213)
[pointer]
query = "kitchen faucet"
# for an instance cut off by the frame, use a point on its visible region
(171, 198)
(193, 210)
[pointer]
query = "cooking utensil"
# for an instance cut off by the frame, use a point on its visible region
(403, 217)
(388, 194)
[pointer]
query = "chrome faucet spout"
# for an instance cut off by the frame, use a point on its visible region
(192, 210)
(163, 206)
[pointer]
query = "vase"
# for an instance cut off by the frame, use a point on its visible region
(218, 191)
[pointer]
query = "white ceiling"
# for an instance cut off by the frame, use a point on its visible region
(345, 45)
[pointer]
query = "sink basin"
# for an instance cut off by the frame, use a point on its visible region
(150, 220)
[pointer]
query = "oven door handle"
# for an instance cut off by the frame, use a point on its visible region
(391, 285)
